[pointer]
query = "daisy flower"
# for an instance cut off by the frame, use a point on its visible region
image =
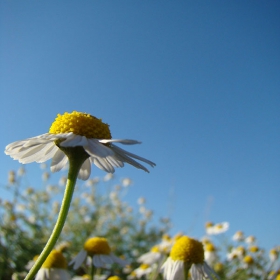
(143, 270)
(187, 255)
(76, 130)
(154, 256)
(100, 252)
(238, 236)
(273, 255)
(213, 229)
(54, 267)
(210, 254)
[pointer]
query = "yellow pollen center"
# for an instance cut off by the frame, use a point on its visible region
(209, 224)
(254, 249)
(248, 259)
(144, 266)
(55, 260)
(210, 247)
(97, 245)
(80, 124)
(155, 249)
(187, 250)
(114, 278)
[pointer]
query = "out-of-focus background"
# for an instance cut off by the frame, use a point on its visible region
(196, 81)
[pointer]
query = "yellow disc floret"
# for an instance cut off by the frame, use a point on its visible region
(80, 124)
(114, 278)
(187, 250)
(97, 245)
(248, 260)
(55, 260)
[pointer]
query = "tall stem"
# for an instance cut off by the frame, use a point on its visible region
(76, 156)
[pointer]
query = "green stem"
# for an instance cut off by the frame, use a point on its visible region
(76, 156)
(92, 270)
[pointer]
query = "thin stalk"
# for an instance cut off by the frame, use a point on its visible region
(76, 156)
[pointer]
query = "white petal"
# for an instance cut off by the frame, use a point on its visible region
(59, 161)
(85, 170)
(95, 149)
(79, 259)
(74, 140)
(122, 141)
(97, 261)
(103, 164)
(121, 151)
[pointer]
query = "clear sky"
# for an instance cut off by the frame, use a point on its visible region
(196, 81)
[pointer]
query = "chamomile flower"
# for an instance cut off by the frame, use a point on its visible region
(76, 130)
(273, 255)
(210, 253)
(154, 256)
(142, 270)
(187, 255)
(238, 236)
(213, 229)
(54, 267)
(100, 252)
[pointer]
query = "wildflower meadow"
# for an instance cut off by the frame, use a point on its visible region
(68, 229)
(123, 242)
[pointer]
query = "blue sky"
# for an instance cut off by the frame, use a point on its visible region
(196, 81)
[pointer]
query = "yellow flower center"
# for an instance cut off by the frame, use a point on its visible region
(209, 224)
(248, 259)
(80, 124)
(188, 250)
(144, 266)
(254, 249)
(210, 247)
(55, 260)
(155, 249)
(97, 245)
(114, 278)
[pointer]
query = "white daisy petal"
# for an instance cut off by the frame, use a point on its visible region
(121, 151)
(59, 161)
(79, 259)
(75, 140)
(103, 164)
(95, 149)
(122, 141)
(85, 170)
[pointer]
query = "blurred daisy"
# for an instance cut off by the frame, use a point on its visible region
(154, 256)
(76, 130)
(210, 254)
(248, 261)
(250, 239)
(142, 270)
(54, 267)
(273, 255)
(213, 229)
(187, 255)
(237, 252)
(238, 236)
(100, 252)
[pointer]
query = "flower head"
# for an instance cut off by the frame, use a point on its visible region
(212, 229)
(238, 236)
(54, 267)
(187, 254)
(100, 252)
(76, 130)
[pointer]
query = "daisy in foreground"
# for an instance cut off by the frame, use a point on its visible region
(54, 268)
(76, 130)
(81, 140)
(187, 257)
(98, 249)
